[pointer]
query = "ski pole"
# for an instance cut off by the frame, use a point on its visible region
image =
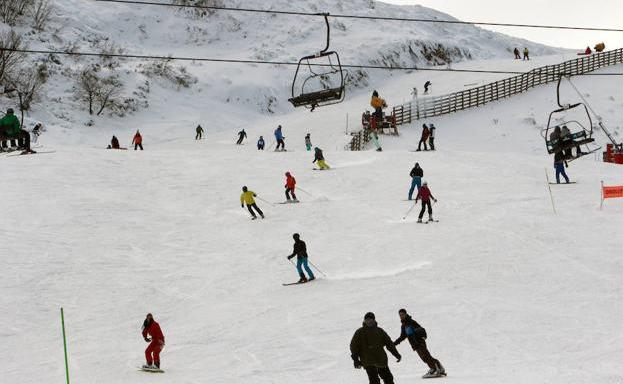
(304, 191)
(318, 269)
(409, 211)
(268, 202)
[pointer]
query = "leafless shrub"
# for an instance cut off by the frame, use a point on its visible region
(8, 57)
(41, 11)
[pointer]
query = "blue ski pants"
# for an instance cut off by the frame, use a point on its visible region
(302, 263)
(560, 170)
(415, 182)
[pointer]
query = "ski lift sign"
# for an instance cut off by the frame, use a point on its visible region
(610, 192)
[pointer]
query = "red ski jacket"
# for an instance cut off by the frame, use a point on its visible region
(138, 139)
(425, 134)
(424, 194)
(154, 330)
(290, 181)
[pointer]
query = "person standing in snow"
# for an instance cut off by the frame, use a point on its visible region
(11, 129)
(424, 138)
(416, 179)
(308, 143)
(425, 195)
(559, 166)
(375, 140)
(290, 185)
(241, 136)
(526, 54)
(367, 351)
(319, 157)
(427, 86)
(114, 143)
(416, 335)
(248, 197)
(36, 132)
(517, 55)
(431, 137)
(300, 251)
(260, 143)
(378, 104)
(199, 131)
(156, 342)
(279, 139)
(138, 140)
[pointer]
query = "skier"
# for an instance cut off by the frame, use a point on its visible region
(416, 179)
(517, 55)
(290, 185)
(11, 129)
(300, 251)
(308, 143)
(114, 143)
(199, 131)
(559, 166)
(279, 138)
(138, 140)
(425, 195)
(378, 104)
(241, 136)
(156, 342)
(424, 138)
(319, 157)
(526, 54)
(36, 132)
(416, 335)
(248, 197)
(427, 86)
(260, 143)
(554, 138)
(431, 137)
(588, 51)
(366, 348)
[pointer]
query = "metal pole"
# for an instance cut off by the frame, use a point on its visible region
(65, 345)
(550, 191)
(312, 264)
(409, 211)
(602, 196)
(268, 202)
(304, 191)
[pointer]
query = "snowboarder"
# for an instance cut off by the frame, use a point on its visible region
(308, 143)
(156, 342)
(138, 140)
(424, 138)
(319, 157)
(260, 143)
(517, 55)
(416, 335)
(427, 86)
(416, 179)
(366, 348)
(378, 104)
(300, 251)
(241, 136)
(248, 197)
(526, 54)
(199, 131)
(114, 143)
(11, 129)
(559, 166)
(425, 195)
(290, 185)
(36, 132)
(279, 138)
(431, 137)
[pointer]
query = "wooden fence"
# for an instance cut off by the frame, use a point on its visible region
(440, 105)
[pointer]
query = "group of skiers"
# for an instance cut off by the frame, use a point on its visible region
(526, 54)
(368, 344)
(423, 192)
(12, 134)
(137, 141)
(261, 143)
(428, 136)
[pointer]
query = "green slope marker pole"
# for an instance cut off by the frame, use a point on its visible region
(65, 345)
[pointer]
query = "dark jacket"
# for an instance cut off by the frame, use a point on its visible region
(367, 347)
(412, 331)
(424, 194)
(318, 155)
(300, 250)
(417, 171)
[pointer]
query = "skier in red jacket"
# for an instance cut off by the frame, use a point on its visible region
(290, 185)
(424, 138)
(156, 342)
(425, 195)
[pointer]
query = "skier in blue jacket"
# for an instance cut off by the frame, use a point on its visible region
(279, 138)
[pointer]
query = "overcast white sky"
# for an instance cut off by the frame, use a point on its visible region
(596, 13)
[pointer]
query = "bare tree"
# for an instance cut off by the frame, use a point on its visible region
(12, 10)
(41, 11)
(9, 58)
(98, 91)
(199, 12)
(109, 90)
(88, 83)
(27, 81)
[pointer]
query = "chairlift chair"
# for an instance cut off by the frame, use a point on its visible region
(581, 134)
(320, 68)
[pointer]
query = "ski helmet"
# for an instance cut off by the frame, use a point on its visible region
(10, 111)
(369, 315)
(296, 236)
(244, 189)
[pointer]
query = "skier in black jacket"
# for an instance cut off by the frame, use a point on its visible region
(416, 335)
(241, 136)
(300, 251)
(416, 179)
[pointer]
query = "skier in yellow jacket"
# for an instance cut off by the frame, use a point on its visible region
(378, 104)
(248, 197)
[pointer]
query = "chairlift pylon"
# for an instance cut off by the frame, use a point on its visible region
(312, 69)
(579, 134)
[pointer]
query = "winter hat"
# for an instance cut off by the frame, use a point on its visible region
(369, 315)
(244, 189)
(424, 126)
(296, 236)
(10, 111)
(288, 174)
(402, 310)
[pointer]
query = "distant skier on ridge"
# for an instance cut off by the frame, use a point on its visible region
(199, 131)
